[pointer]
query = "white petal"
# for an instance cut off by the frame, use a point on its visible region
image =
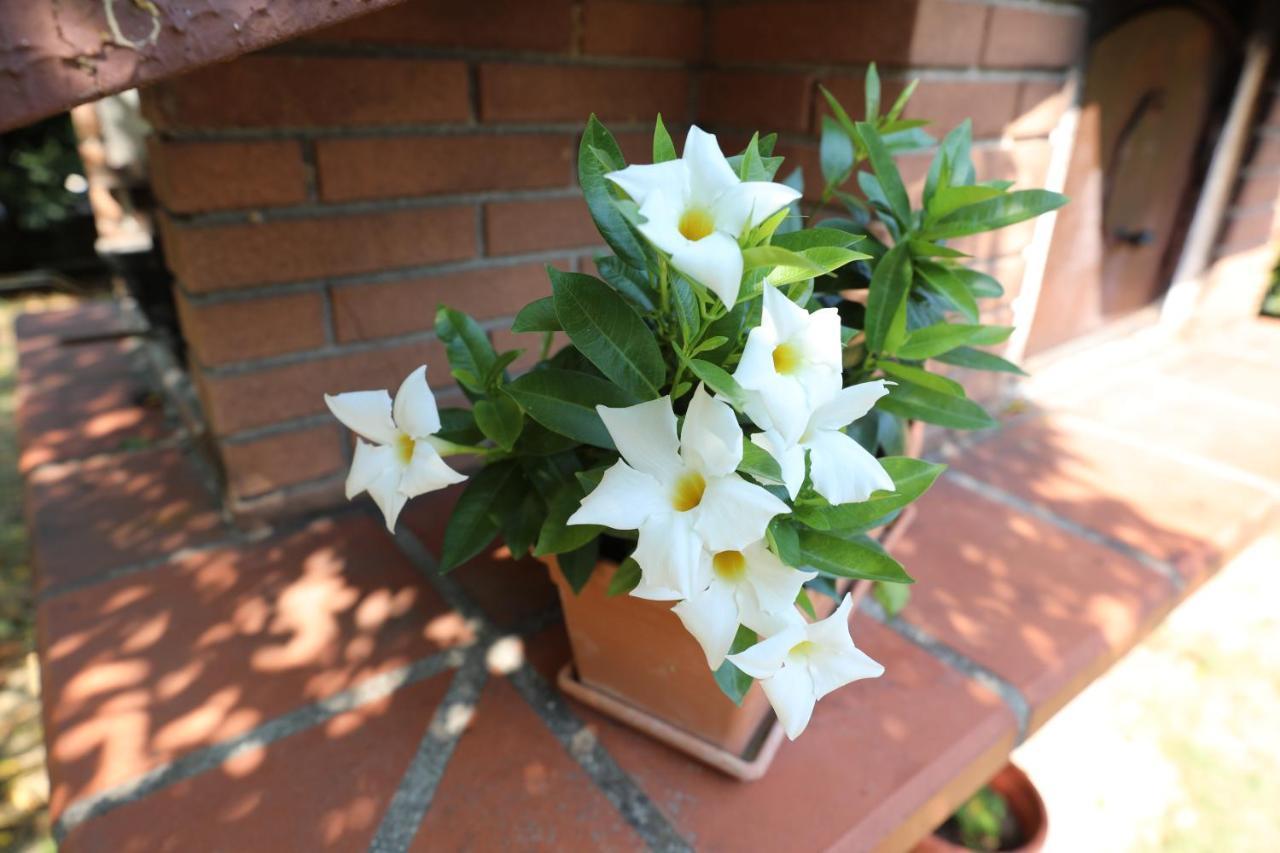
(755, 369)
(791, 694)
(842, 471)
(415, 408)
(669, 554)
(710, 440)
(640, 181)
(366, 413)
(766, 657)
(710, 174)
(624, 499)
(789, 319)
(848, 405)
(385, 491)
(367, 465)
(790, 459)
(836, 661)
(821, 343)
(832, 633)
(711, 617)
(774, 583)
(715, 261)
(427, 472)
(764, 199)
(786, 406)
(646, 437)
(661, 227)
(734, 513)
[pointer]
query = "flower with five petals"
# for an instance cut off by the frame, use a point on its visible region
(750, 587)
(404, 460)
(798, 666)
(682, 495)
(696, 209)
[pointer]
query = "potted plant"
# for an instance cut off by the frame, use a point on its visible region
(1007, 814)
(711, 459)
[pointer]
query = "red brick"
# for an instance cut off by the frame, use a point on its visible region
(530, 342)
(1266, 152)
(1245, 230)
(79, 400)
(513, 227)
(946, 103)
(926, 32)
(631, 28)
(543, 27)
(89, 518)
(546, 93)
(509, 755)
(238, 805)
(1019, 596)
(756, 100)
(93, 318)
(189, 177)
(218, 257)
(1256, 191)
(282, 459)
(295, 91)
(242, 330)
(243, 401)
(366, 311)
(1041, 104)
(410, 166)
(1026, 38)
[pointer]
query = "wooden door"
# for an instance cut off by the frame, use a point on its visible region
(1146, 107)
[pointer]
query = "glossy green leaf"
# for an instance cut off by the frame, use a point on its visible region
(836, 556)
(934, 340)
(890, 283)
(558, 537)
(911, 479)
(732, 681)
(467, 346)
(625, 578)
(920, 376)
(850, 127)
(871, 91)
(976, 359)
(811, 238)
(757, 462)
(663, 148)
(980, 284)
(835, 153)
(599, 154)
(1005, 209)
(900, 104)
(942, 280)
(565, 401)
(609, 333)
(471, 524)
(628, 281)
(948, 199)
(578, 565)
(893, 597)
(886, 172)
(720, 381)
(538, 316)
(500, 419)
(785, 542)
(924, 404)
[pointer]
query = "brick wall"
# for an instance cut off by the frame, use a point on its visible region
(324, 196)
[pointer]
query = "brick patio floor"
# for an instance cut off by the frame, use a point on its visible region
(320, 686)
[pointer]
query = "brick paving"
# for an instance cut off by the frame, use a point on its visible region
(320, 686)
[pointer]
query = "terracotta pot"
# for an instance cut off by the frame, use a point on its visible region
(638, 653)
(1024, 803)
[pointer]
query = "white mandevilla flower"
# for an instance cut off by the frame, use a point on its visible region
(683, 495)
(790, 364)
(801, 664)
(750, 587)
(697, 209)
(841, 469)
(403, 461)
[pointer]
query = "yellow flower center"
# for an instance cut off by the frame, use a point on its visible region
(404, 447)
(786, 358)
(695, 224)
(688, 491)
(804, 648)
(729, 565)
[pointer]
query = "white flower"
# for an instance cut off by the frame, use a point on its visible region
(698, 209)
(749, 587)
(790, 364)
(800, 665)
(682, 495)
(403, 461)
(841, 469)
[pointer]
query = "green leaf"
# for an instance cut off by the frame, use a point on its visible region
(597, 142)
(850, 127)
(901, 103)
(625, 578)
(565, 401)
(944, 171)
(887, 295)
(663, 148)
(757, 462)
(608, 332)
(806, 604)
(785, 542)
(911, 479)
(835, 153)
(976, 359)
(719, 381)
(459, 426)
(538, 316)
(934, 340)
(871, 89)
(751, 167)
(777, 256)
(467, 346)
(519, 525)
(892, 596)
(924, 404)
(1005, 209)
(471, 524)
(920, 376)
(828, 259)
(887, 173)
(687, 309)
(811, 238)
(848, 558)
(500, 419)
(557, 537)
(732, 681)
(577, 565)
(941, 279)
(980, 284)
(629, 282)
(948, 199)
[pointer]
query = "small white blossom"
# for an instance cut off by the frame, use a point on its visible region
(798, 666)
(403, 461)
